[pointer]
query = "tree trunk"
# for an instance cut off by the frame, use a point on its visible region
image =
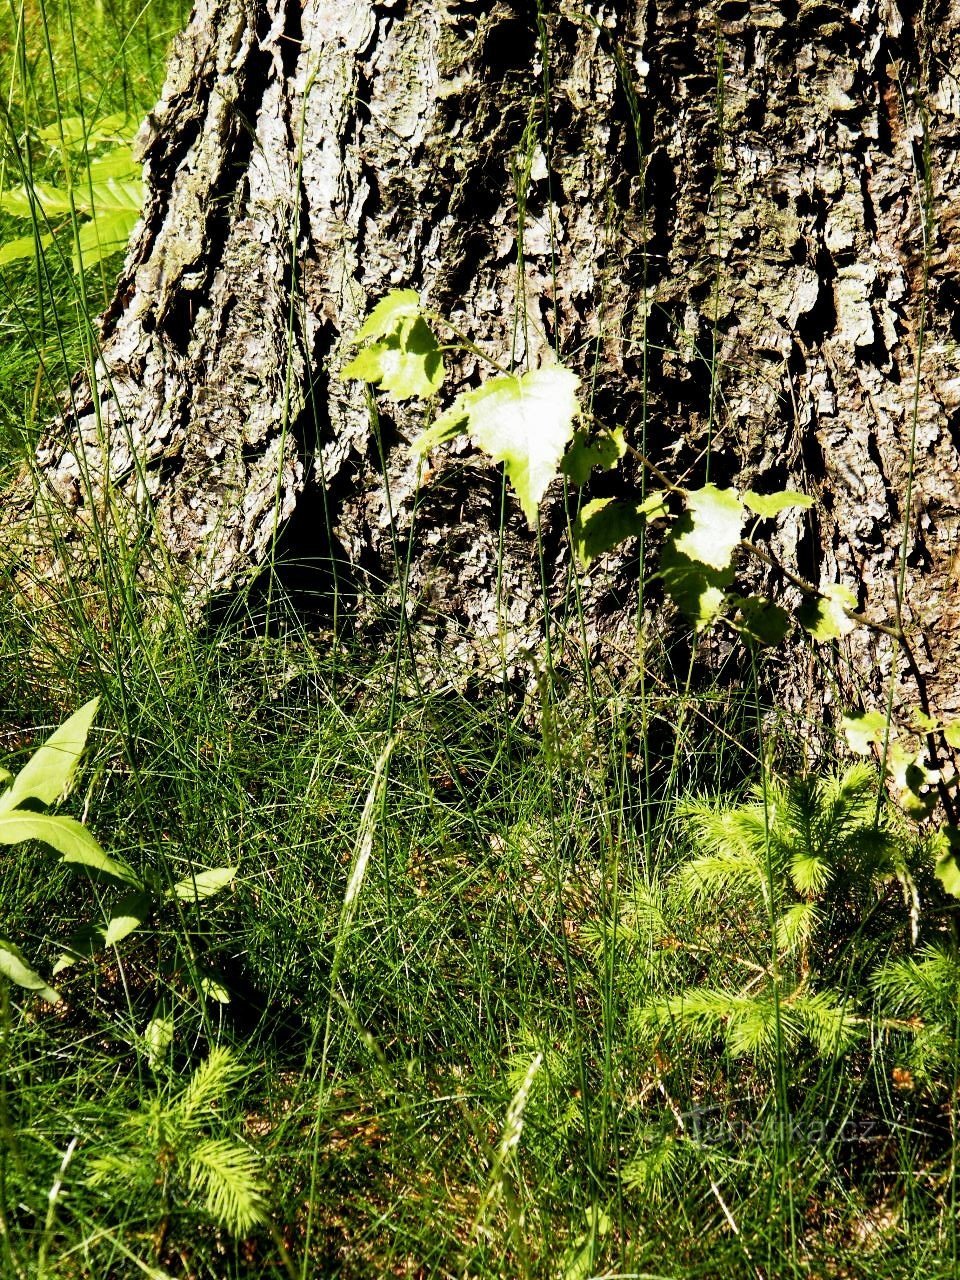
(736, 220)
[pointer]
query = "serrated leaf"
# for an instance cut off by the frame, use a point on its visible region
(48, 773)
(76, 132)
(407, 363)
(70, 838)
(119, 162)
(767, 505)
(604, 523)
(388, 314)
(43, 197)
(762, 621)
(698, 591)
(106, 233)
(947, 868)
(712, 526)
(587, 452)
(23, 247)
(204, 884)
(526, 423)
(13, 965)
(863, 732)
(126, 915)
(826, 617)
(453, 421)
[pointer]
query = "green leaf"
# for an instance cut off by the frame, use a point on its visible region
(126, 915)
(585, 453)
(70, 838)
(106, 233)
(48, 773)
(762, 621)
(863, 732)
(23, 247)
(13, 965)
(606, 522)
(43, 198)
(204, 884)
(407, 363)
(526, 423)
(951, 732)
(453, 421)
(698, 591)
(388, 315)
(712, 526)
(157, 1038)
(117, 163)
(826, 617)
(771, 504)
(947, 869)
(77, 132)
(214, 989)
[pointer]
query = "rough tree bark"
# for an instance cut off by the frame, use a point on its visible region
(786, 208)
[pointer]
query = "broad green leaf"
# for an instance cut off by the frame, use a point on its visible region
(43, 197)
(126, 915)
(76, 132)
(157, 1038)
(827, 616)
(606, 522)
(13, 965)
(70, 838)
(771, 504)
(526, 423)
(117, 163)
(453, 421)
(863, 732)
(603, 451)
(951, 731)
(762, 621)
(106, 233)
(23, 247)
(204, 884)
(947, 869)
(712, 527)
(5, 775)
(48, 773)
(388, 314)
(81, 945)
(696, 589)
(406, 363)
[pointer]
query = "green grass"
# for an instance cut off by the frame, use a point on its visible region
(453, 1074)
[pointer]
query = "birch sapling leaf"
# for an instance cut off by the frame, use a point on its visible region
(453, 421)
(767, 505)
(865, 731)
(827, 616)
(712, 527)
(407, 363)
(762, 621)
(389, 314)
(604, 523)
(585, 453)
(697, 590)
(526, 422)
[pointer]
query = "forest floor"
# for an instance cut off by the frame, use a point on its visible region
(490, 987)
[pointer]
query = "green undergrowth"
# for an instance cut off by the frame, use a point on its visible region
(490, 1007)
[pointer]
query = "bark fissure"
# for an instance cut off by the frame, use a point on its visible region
(757, 264)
